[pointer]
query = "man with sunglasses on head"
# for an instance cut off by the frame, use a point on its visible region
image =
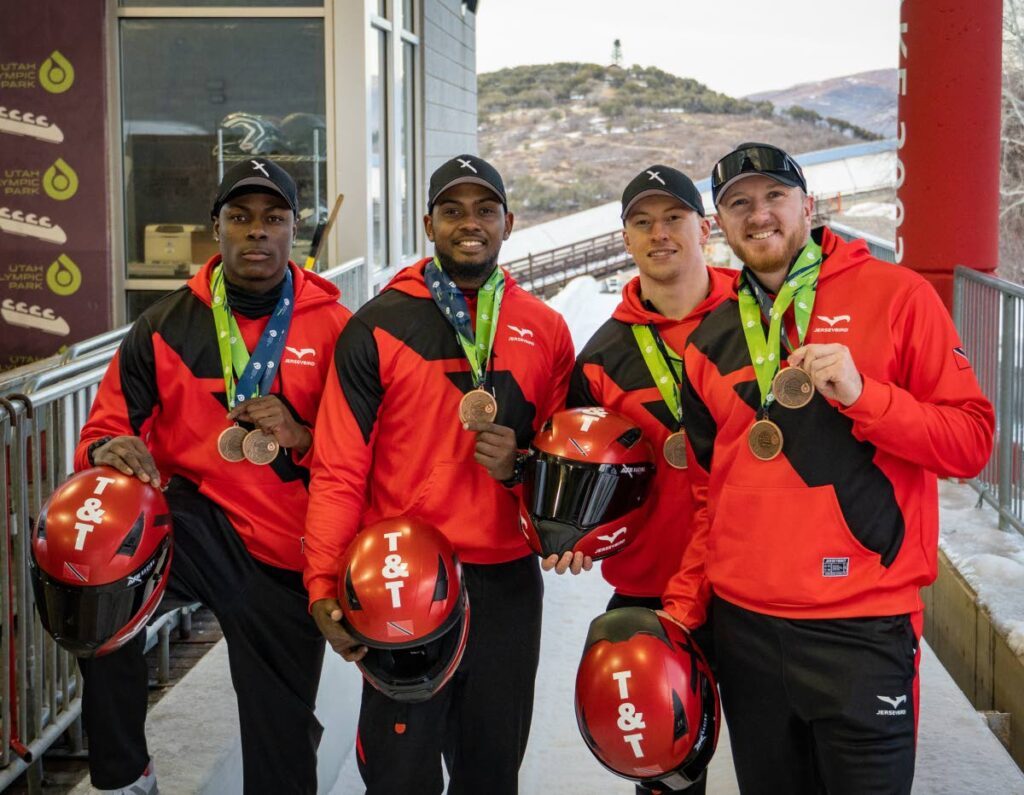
(821, 402)
(438, 382)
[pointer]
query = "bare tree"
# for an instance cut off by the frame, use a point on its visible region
(1011, 188)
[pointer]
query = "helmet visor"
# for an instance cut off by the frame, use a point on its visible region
(583, 495)
(81, 618)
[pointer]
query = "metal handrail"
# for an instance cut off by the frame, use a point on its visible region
(986, 309)
(106, 339)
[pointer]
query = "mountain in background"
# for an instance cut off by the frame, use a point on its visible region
(569, 136)
(867, 99)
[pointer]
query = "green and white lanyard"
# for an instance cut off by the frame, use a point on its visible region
(255, 373)
(476, 343)
(799, 289)
(665, 366)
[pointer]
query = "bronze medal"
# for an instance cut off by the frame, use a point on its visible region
(477, 406)
(792, 388)
(765, 440)
(674, 450)
(259, 447)
(229, 444)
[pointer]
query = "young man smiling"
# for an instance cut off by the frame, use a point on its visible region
(205, 398)
(632, 365)
(820, 514)
(394, 439)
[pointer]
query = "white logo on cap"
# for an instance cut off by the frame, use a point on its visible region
(467, 164)
(258, 166)
(656, 175)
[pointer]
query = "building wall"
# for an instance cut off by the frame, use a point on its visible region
(449, 65)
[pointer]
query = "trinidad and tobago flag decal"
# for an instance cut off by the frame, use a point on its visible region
(960, 357)
(78, 571)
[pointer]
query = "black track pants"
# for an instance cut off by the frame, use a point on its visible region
(702, 635)
(480, 722)
(818, 706)
(274, 649)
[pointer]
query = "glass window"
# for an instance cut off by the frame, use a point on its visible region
(378, 61)
(408, 18)
(407, 157)
(382, 8)
(194, 103)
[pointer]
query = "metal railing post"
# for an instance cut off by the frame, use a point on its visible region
(1004, 411)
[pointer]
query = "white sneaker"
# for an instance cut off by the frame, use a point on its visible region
(143, 785)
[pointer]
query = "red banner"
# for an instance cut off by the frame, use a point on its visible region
(55, 256)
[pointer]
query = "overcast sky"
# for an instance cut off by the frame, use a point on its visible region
(735, 46)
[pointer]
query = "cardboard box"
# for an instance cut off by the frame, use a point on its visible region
(178, 244)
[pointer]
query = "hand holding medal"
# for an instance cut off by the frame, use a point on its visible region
(275, 428)
(794, 386)
(830, 368)
(255, 374)
(479, 405)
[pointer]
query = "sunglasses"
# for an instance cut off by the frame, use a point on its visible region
(752, 159)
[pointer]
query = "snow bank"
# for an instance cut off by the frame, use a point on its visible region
(990, 559)
(585, 307)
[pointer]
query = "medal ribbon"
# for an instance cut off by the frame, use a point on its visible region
(255, 373)
(799, 287)
(665, 366)
(476, 343)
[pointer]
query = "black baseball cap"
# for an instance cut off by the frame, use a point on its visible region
(465, 168)
(663, 180)
(751, 158)
(256, 175)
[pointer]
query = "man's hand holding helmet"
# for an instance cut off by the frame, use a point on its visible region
(327, 614)
(129, 456)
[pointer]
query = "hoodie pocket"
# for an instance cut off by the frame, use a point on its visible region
(786, 547)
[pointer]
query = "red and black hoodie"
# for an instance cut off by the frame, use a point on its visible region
(389, 441)
(844, 522)
(611, 372)
(166, 385)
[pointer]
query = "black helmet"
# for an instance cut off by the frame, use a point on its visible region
(251, 134)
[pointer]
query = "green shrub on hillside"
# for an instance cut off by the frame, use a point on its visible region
(612, 88)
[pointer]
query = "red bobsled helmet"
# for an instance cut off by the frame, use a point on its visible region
(403, 597)
(100, 549)
(585, 484)
(646, 702)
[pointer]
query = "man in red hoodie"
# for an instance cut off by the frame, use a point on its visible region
(818, 525)
(213, 394)
(391, 442)
(633, 365)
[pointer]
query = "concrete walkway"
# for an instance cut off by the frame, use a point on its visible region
(193, 731)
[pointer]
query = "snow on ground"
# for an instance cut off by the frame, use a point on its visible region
(872, 210)
(585, 306)
(990, 559)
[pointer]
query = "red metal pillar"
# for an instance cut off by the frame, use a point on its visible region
(949, 121)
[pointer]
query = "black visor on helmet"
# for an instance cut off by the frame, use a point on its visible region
(414, 673)
(81, 618)
(583, 495)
